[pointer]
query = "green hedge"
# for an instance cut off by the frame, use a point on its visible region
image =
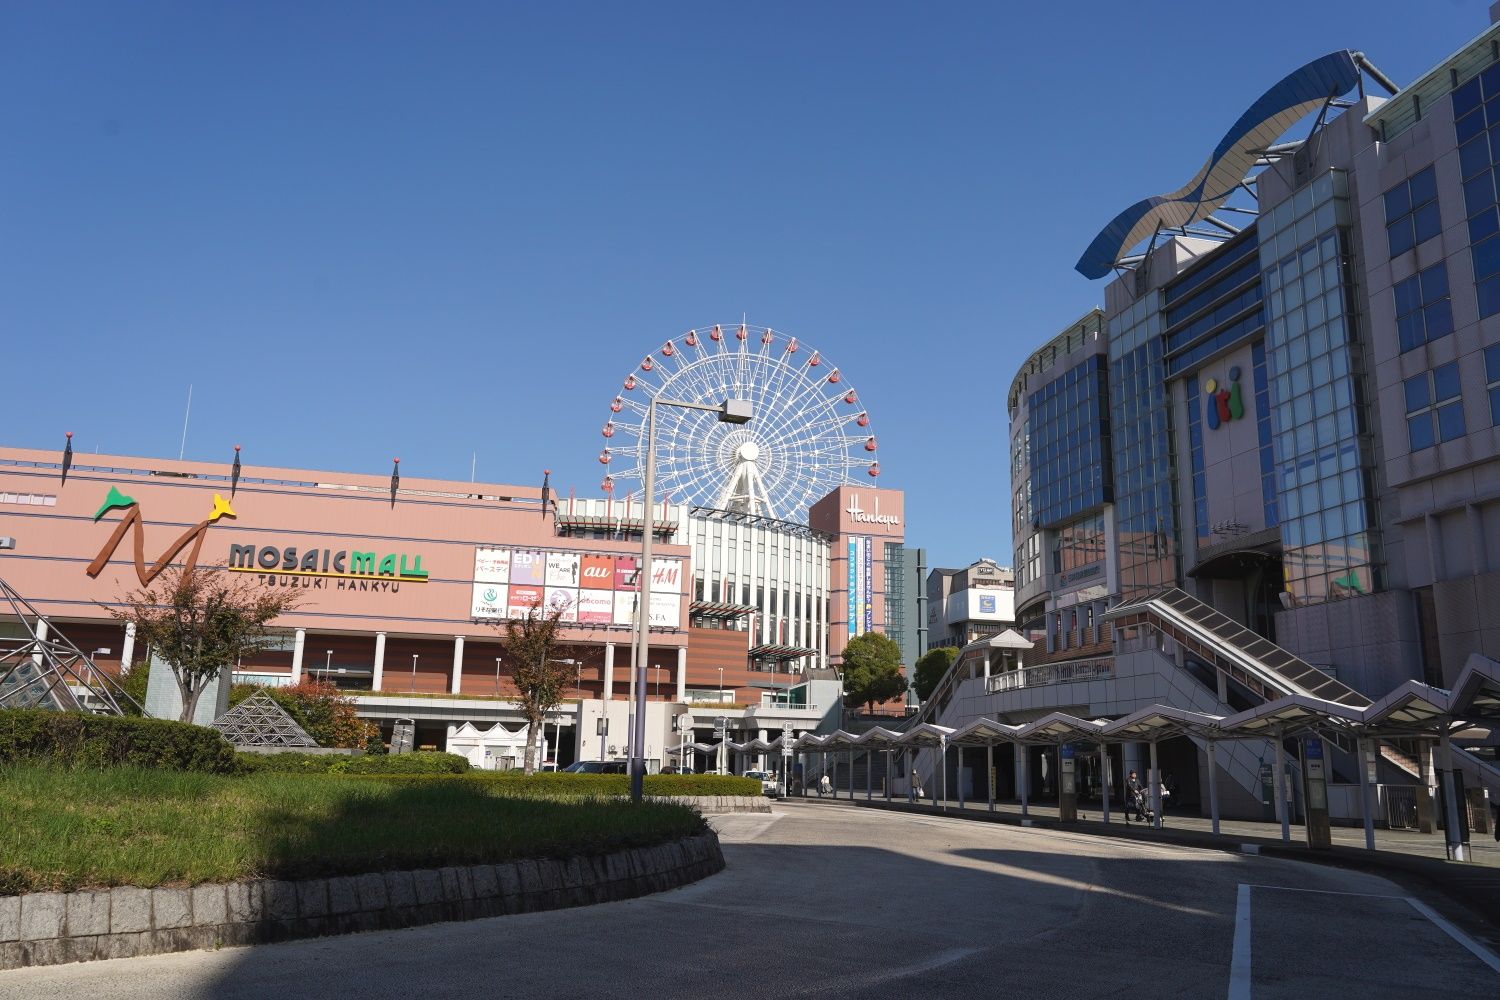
(422, 762)
(555, 784)
(76, 739)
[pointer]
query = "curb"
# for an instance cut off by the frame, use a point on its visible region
(51, 928)
(710, 805)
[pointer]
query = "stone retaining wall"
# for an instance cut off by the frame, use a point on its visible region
(713, 804)
(49, 928)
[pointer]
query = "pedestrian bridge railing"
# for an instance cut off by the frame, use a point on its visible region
(1096, 668)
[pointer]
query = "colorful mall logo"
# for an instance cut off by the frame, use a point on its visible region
(116, 500)
(1224, 405)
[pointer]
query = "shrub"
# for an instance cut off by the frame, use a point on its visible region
(292, 762)
(555, 784)
(76, 739)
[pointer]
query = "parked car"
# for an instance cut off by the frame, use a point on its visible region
(674, 769)
(595, 767)
(768, 784)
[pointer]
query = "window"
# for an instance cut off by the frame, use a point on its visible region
(1411, 210)
(1434, 407)
(1492, 378)
(1423, 310)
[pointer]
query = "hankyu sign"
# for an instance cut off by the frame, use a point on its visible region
(859, 515)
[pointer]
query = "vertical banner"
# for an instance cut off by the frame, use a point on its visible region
(869, 584)
(853, 591)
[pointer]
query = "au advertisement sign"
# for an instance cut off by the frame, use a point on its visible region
(591, 588)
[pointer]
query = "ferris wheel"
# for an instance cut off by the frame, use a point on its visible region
(810, 432)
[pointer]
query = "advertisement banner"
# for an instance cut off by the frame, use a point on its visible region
(868, 591)
(491, 565)
(489, 600)
(626, 568)
(666, 576)
(528, 566)
(853, 590)
(523, 599)
(666, 610)
(596, 607)
(597, 573)
(565, 598)
(624, 607)
(562, 569)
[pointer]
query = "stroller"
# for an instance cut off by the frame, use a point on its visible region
(1143, 810)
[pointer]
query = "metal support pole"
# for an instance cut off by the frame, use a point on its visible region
(943, 769)
(868, 768)
(1451, 833)
(1024, 773)
(1104, 780)
(643, 611)
(958, 777)
(887, 774)
(989, 773)
(1155, 789)
(1213, 785)
(1283, 808)
(911, 777)
(1367, 789)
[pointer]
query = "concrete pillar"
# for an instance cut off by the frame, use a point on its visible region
(127, 648)
(1425, 820)
(1367, 790)
(986, 665)
(1223, 687)
(379, 676)
(1452, 835)
(1477, 540)
(1435, 563)
(298, 642)
(609, 672)
(456, 682)
(682, 673)
(760, 734)
(958, 775)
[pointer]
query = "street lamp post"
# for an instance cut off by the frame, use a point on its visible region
(721, 683)
(497, 676)
(414, 673)
(731, 411)
(327, 665)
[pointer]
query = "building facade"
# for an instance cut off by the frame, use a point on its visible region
(405, 585)
(978, 601)
(1275, 452)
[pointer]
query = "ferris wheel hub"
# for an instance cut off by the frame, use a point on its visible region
(748, 452)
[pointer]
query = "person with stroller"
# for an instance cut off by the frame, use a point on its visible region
(1137, 793)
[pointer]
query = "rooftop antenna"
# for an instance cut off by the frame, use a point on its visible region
(182, 449)
(473, 464)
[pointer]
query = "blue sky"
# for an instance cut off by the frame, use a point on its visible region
(366, 230)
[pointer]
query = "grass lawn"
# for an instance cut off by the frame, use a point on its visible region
(71, 829)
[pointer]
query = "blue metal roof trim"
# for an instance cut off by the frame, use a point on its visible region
(1299, 91)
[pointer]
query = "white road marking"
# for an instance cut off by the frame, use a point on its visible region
(1480, 951)
(1239, 966)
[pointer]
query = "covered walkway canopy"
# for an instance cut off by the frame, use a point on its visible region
(1414, 710)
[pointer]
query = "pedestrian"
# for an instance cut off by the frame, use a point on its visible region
(1164, 793)
(1137, 795)
(825, 786)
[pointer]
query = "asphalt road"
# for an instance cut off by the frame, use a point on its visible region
(832, 901)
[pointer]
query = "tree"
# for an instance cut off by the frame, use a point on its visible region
(931, 668)
(324, 712)
(201, 621)
(539, 673)
(872, 670)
